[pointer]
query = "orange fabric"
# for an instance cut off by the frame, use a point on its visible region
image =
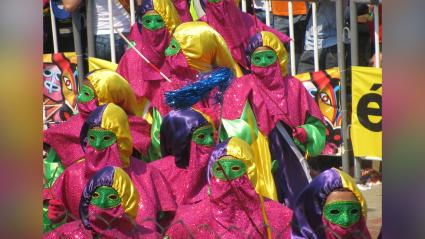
(280, 8)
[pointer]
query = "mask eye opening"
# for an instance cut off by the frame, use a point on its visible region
(113, 197)
(335, 211)
(95, 195)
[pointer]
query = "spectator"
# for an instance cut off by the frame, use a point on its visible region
(121, 18)
(281, 22)
(327, 45)
(260, 8)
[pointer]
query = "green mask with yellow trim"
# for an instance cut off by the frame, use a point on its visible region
(233, 168)
(105, 197)
(204, 136)
(100, 139)
(173, 48)
(153, 22)
(343, 213)
(263, 58)
(86, 94)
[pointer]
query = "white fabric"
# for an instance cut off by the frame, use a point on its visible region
(120, 16)
(260, 4)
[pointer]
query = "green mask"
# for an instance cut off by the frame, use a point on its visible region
(214, 1)
(153, 21)
(105, 197)
(86, 94)
(232, 167)
(173, 48)
(100, 138)
(343, 213)
(204, 136)
(263, 58)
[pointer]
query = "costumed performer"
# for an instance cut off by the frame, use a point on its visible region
(187, 140)
(236, 27)
(330, 207)
(106, 140)
(274, 96)
(232, 209)
(108, 207)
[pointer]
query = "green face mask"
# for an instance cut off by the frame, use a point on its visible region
(214, 1)
(232, 167)
(343, 213)
(105, 197)
(263, 58)
(204, 136)
(153, 21)
(86, 94)
(100, 138)
(173, 48)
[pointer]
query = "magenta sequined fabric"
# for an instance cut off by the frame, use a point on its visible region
(272, 98)
(155, 193)
(140, 133)
(76, 230)
(188, 184)
(182, 8)
(223, 16)
(356, 231)
(233, 210)
(64, 138)
(143, 78)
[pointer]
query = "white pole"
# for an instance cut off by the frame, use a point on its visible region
(268, 9)
(316, 48)
(111, 32)
(291, 35)
(132, 12)
(377, 50)
(243, 5)
(54, 33)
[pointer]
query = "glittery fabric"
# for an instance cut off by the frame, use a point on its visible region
(308, 211)
(222, 216)
(223, 16)
(155, 192)
(232, 209)
(273, 98)
(74, 230)
(64, 138)
(356, 231)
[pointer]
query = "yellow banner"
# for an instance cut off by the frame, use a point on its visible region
(366, 127)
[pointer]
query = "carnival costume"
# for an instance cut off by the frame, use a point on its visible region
(108, 207)
(341, 219)
(106, 140)
(233, 209)
(275, 97)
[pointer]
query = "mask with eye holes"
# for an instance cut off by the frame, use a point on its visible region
(100, 139)
(152, 21)
(228, 168)
(105, 197)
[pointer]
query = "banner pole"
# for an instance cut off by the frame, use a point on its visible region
(90, 34)
(54, 29)
(132, 12)
(76, 27)
(292, 36)
(111, 33)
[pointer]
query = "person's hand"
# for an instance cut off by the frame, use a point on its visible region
(56, 211)
(300, 134)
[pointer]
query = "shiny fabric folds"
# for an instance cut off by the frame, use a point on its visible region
(308, 212)
(113, 118)
(109, 86)
(204, 48)
(165, 8)
(270, 40)
(233, 209)
(119, 180)
(236, 27)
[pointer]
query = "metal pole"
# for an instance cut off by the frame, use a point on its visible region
(90, 25)
(354, 34)
(341, 65)
(315, 40)
(355, 62)
(376, 21)
(111, 32)
(268, 9)
(243, 5)
(54, 30)
(132, 12)
(76, 27)
(292, 36)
